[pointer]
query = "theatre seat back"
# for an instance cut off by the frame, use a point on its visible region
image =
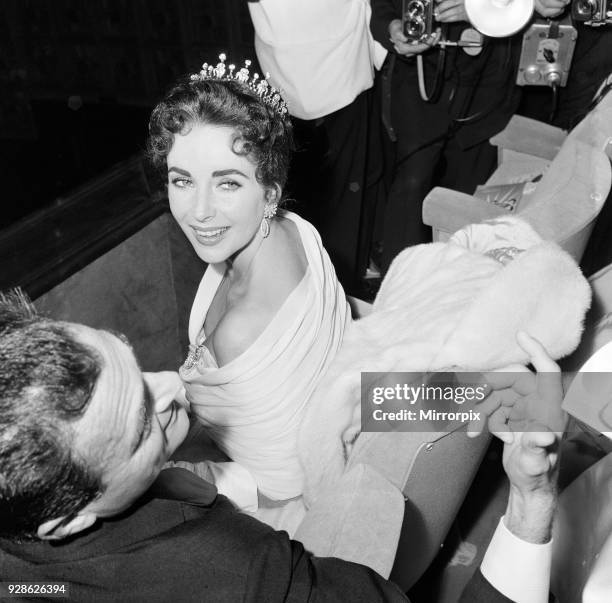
(434, 480)
(435, 488)
(568, 180)
(142, 288)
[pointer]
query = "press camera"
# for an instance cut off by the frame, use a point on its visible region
(417, 19)
(592, 12)
(547, 51)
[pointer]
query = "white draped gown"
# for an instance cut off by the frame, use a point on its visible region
(252, 407)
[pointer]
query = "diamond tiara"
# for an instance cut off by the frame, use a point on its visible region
(268, 94)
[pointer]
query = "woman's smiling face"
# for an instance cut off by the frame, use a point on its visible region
(214, 194)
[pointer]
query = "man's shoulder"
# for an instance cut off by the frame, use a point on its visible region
(204, 524)
(161, 550)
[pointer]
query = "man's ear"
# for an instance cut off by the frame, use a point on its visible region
(56, 529)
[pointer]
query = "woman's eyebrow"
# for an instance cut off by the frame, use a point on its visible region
(218, 173)
(178, 170)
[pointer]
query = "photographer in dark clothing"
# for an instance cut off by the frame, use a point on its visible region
(443, 141)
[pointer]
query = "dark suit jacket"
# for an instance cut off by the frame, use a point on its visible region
(166, 550)
(204, 550)
(478, 590)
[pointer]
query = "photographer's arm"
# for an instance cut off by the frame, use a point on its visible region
(383, 12)
(450, 11)
(550, 8)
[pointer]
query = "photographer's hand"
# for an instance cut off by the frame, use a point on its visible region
(550, 8)
(400, 42)
(450, 11)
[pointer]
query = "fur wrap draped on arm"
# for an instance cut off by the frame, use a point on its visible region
(444, 306)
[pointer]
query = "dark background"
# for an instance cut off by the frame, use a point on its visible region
(78, 79)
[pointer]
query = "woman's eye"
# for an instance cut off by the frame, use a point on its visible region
(180, 182)
(229, 185)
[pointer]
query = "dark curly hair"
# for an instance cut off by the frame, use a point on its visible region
(46, 382)
(262, 134)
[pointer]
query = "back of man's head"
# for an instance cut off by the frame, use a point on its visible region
(46, 381)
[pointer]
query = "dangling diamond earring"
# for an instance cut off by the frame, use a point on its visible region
(269, 213)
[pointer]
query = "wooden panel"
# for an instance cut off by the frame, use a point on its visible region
(41, 251)
(129, 289)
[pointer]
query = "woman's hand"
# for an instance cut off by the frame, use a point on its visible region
(400, 42)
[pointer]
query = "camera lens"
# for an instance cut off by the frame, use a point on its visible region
(414, 28)
(585, 8)
(415, 9)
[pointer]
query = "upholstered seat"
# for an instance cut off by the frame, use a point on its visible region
(431, 504)
(561, 181)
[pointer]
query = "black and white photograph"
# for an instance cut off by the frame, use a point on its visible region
(306, 301)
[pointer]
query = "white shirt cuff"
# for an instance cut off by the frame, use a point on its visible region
(518, 569)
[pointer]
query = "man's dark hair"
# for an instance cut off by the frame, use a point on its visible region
(46, 382)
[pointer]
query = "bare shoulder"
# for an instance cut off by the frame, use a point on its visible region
(288, 261)
(279, 269)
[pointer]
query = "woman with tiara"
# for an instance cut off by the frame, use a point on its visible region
(273, 371)
(269, 315)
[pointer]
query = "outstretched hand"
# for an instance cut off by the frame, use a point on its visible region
(521, 397)
(524, 410)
